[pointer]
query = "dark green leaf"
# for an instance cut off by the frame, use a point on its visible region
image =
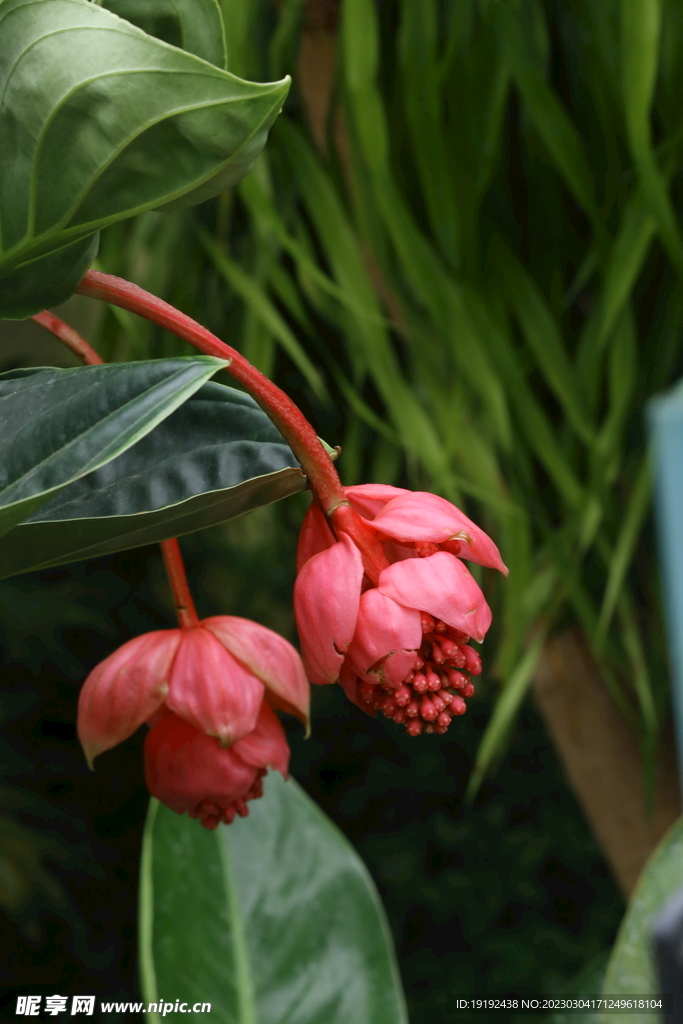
(192, 25)
(131, 122)
(215, 457)
(273, 919)
(59, 425)
(48, 280)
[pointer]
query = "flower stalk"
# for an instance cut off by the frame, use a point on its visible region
(170, 549)
(287, 417)
(69, 337)
(177, 577)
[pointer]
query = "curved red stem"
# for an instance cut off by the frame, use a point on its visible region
(286, 416)
(71, 338)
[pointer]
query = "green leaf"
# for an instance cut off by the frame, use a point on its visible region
(59, 425)
(640, 37)
(53, 278)
(504, 712)
(273, 919)
(215, 457)
(192, 25)
(132, 123)
(255, 296)
(548, 114)
(543, 337)
(631, 969)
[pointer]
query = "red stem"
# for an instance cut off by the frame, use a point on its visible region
(69, 336)
(175, 570)
(286, 416)
(170, 549)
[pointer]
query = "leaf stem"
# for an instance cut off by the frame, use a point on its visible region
(170, 549)
(287, 417)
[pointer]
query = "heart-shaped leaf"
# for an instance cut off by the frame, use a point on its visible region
(272, 920)
(215, 457)
(631, 967)
(130, 122)
(192, 25)
(59, 425)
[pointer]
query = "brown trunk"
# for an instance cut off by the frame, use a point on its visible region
(600, 756)
(316, 66)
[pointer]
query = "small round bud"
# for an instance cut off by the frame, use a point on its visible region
(402, 696)
(433, 681)
(472, 661)
(427, 710)
(457, 706)
(420, 684)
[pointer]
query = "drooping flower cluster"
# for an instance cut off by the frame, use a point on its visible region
(385, 605)
(206, 691)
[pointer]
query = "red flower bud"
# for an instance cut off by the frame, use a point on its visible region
(191, 773)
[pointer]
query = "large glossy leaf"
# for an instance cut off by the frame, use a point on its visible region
(215, 457)
(631, 968)
(58, 425)
(273, 919)
(131, 122)
(192, 25)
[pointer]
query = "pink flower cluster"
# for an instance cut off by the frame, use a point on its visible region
(385, 605)
(206, 692)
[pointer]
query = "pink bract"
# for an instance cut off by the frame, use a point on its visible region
(214, 676)
(125, 690)
(211, 689)
(326, 597)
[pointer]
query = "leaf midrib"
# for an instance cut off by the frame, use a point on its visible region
(243, 974)
(174, 504)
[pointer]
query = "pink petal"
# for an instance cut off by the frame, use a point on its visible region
(348, 680)
(386, 639)
(270, 657)
(211, 689)
(369, 499)
(315, 535)
(124, 690)
(421, 516)
(441, 585)
(184, 767)
(326, 596)
(266, 746)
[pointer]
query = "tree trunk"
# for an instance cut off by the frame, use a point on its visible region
(600, 757)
